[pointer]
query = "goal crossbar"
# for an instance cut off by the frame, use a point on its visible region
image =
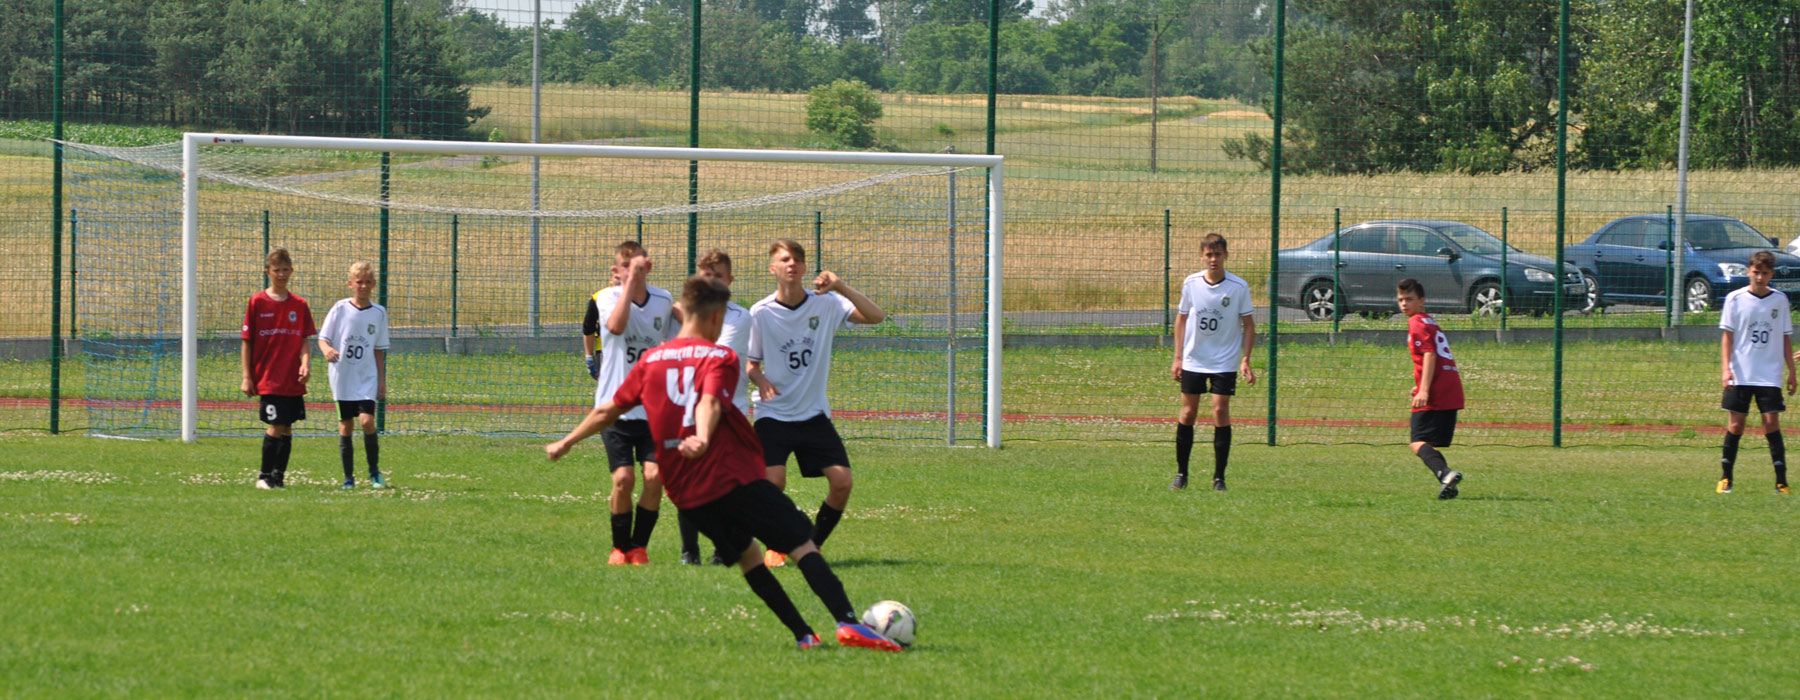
(191, 143)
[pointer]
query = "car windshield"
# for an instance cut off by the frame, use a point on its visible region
(1474, 240)
(1724, 233)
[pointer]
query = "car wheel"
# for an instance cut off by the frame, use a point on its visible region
(1594, 299)
(1699, 294)
(1319, 301)
(1485, 300)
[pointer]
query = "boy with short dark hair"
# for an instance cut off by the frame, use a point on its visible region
(276, 364)
(1215, 330)
(354, 340)
(713, 466)
(1437, 392)
(1750, 365)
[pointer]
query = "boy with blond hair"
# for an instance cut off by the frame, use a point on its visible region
(276, 364)
(1752, 322)
(735, 334)
(354, 340)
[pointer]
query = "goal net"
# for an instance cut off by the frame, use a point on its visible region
(486, 255)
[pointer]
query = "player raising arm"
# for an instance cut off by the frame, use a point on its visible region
(791, 333)
(712, 467)
(635, 316)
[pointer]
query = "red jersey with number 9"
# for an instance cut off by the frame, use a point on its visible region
(277, 333)
(668, 381)
(1424, 337)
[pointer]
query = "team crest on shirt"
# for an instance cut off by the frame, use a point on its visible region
(293, 316)
(1225, 301)
(1774, 313)
(656, 322)
(371, 329)
(812, 322)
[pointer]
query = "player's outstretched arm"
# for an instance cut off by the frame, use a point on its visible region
(866, 311)
(601, 418)
(706, 419)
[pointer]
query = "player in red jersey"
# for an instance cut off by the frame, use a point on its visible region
(277, 364)
(712, 465)
(1437, 392)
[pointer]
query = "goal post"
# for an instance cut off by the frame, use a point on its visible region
(194, 176)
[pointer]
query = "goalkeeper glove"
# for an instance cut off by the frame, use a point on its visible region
(593, 367)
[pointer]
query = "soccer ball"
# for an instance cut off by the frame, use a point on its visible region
(892, 620)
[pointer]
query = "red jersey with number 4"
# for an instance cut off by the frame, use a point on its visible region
(668, 381)
(1423, 337)
(277, 332)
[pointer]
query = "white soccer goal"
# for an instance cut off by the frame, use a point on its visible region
(491, 250)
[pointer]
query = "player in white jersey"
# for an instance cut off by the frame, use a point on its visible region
(354, 341)
(735, 334)
(791, 333)
(1752, 321)
(633, 317)
(1215, 330)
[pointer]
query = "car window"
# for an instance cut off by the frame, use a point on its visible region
(1472, 239)
(1372, 239)
(1417, 241)
(1629, 233)
(1724, 233)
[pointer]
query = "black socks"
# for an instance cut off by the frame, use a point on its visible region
(772, 595)
(690, 533)
(347, 455)
(825, 523)
(1728, 457)
(827, 586)
(640, 531)
(1778, 454)
(1184, 446)
(271, 450)
(1221, 450)
(621, 531)
(284, 448)
(1434, 460)
(372, 448)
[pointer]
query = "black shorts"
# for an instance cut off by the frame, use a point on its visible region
(281, 410)
(349, 410)
(755, 510)
(1768, 399)
(1223, 383)
(813, 442)
(628, 442)
(1435, 428)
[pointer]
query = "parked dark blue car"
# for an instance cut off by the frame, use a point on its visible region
(1628, 261)
(1459, 264)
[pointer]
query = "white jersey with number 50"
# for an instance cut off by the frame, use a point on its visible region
(736, 335)
(794, 347)
(356, 333)
(1215, 325)
(1757, 325)
(648, 325)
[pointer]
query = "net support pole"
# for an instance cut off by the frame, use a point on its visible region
(190, 300)
(1677, 278)
(455, 249)
(56, 202)
(996, 264)
(1168, 290)
(74, 274)
(818, 242)
(387, 73)
(950, 323)
(1275, 213)
(693, 218)
(1504, 246)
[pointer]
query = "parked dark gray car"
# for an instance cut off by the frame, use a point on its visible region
(1459, 264)
(1629, 261)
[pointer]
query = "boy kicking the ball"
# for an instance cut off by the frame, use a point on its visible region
(1751, 323)
(354, 341)
(712, 465)
(1437, 392)
(1215, 330)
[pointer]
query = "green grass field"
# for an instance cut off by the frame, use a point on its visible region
(153, 569)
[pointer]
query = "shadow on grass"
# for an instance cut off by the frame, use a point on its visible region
(1508, 498)
(859, 562)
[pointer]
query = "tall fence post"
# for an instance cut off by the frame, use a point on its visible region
(1275, 212)
(950, 324)
(818, 241)
(265, 257)
(56, 200)
(387, 71)
(987, 233)
(693, 237)
(640, 229)
(1562, 191)
(537, 123)
(1168, 245)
